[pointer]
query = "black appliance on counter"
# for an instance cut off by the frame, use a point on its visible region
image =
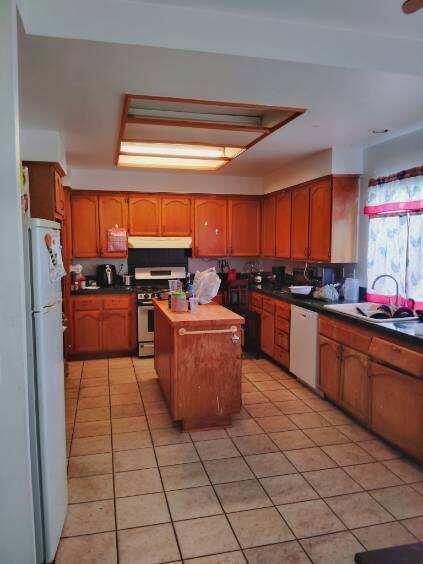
(106, 275)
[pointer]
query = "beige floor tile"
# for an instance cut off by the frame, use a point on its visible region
(160, 421)
(268, 385)
(225, 558)
(319, 404)
(384, 536)
(288, 489)
(331, 482)
(337, 417)
(291, 440)
(242, 414)
(120, 389)
(131, 410)
(94, 391)
(92, 429)
(253, 397)
(402, 501)
(87, 518)
(379, 450)
(241, 427)
(192, 503)
(310, 518)
(100, 547)
(136, 459)
(255, 444)
(155, 408)
(259, 527)
(208, 435)
(176, 454)
(406, 470)
(339, 548)
(129, 424)
(415, 526)
(137, 482)
(93, 414)
(418, 487)
(276, 423)
(356, 432)
(358, 510)
(90, 488)
(141, 510)
(183, 476)
(269, 464)
(326, 436)
(240, 496)
(206, 535)
(217, 449)
(129, 441)
(293, 406)
(279, 395)
(91, 445)
(260, 410)
(153, 544)
(169, 437)
(126, 399)
(347, 454)
(90, 382)
(228, 470)
(286, 553)
(90, 465)
(309, 420)
(308, 459)
(87, 403)
(373, 475)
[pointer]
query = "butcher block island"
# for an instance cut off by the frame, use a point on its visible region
(198, 360)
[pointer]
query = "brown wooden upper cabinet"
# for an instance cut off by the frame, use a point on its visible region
(283, 225)
(244, 227)
(300, 213)
(85, 227)
(320, 220)
(46, 190)
(176, 216)
(144, 215)
(268, 226)
(112, 211)
(210, 224)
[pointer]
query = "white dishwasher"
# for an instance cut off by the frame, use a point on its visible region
(304, 350)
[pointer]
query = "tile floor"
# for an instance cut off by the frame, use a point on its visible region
(293, 479)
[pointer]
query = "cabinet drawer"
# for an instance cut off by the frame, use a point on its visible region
(326, 327)
(85, 304)
(117, 302)
(269, 305)
(282, 324)
(345, 333)
(283, 310)
(281, 356)
(256, 302)
(400, 357)
(282, 339)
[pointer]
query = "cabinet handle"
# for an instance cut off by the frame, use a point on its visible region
(305, 251)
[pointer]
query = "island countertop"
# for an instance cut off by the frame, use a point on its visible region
(205, 315)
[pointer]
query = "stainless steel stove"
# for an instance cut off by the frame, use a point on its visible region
(149, 282)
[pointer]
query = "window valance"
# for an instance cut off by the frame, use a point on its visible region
(401, 192)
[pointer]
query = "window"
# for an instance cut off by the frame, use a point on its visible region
(395, 207)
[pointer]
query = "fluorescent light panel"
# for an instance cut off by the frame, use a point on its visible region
(179, 150)
(242, 120)
(182, 163)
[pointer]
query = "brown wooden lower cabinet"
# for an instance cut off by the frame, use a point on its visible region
(354, 392)
(102, 325)
(267, 333)
(330, 368)
(397, 408)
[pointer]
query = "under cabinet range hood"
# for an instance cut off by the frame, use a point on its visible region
(159, 242)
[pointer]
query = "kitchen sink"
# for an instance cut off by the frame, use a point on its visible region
(369, 308)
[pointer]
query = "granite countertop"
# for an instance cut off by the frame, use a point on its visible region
(105, 290)
(404, 330)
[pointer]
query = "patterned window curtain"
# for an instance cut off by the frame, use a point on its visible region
(395, 207)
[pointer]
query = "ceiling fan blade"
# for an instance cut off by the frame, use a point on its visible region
(411, 6)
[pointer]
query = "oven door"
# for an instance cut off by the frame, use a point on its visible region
(145, 323)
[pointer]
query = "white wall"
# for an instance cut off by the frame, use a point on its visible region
(384, 159)
(42, 145)
(17, 544)
(151, 181)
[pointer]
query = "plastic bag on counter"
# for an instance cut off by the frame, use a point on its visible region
(117, 240)
(328, 293)
(206, 285)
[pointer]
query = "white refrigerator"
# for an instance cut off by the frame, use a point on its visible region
(47, 336)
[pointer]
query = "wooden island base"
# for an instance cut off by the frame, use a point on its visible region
(198, 361)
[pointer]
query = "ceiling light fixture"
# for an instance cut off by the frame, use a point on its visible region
(179, 150)
(183, 163)
(379, 131)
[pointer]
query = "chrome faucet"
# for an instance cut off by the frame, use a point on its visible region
(396, 285)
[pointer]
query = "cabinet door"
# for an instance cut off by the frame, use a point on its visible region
(144, 215)
(210, 227)
(85, 242)
(176, 217)
(267, 333)
(320, 220)
(268, 227)
(115, 330)
(112, 211)
(59, 195)
(355, 383)
(87, 331)
(283, 225)
(397, 408)
(244, 228)
(299, 223)
(330, 367)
